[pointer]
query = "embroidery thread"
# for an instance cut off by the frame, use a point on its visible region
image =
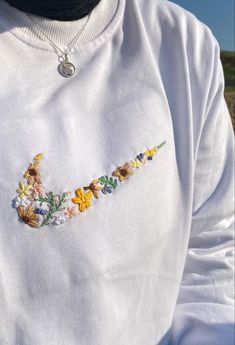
(38, 208)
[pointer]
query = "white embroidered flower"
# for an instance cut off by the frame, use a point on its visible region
(37, 205)
(58, 220)
(21, 202)
(40, 219)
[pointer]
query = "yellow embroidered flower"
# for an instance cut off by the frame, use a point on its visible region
(137, 163)
(123, 172)
(32, 174)
(94, 188)
(23, 190)
(38, 157)
(82, 199)
(28, 216)
(151, 152)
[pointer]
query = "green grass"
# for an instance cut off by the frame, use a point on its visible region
(229, 89)
(228, 62)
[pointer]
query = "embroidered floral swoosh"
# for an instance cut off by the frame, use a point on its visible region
(38, 208)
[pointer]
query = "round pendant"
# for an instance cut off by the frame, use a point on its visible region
(66, 69)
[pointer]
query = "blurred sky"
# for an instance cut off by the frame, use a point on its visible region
(218, 15)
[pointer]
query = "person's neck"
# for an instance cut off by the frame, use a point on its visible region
(64, 10)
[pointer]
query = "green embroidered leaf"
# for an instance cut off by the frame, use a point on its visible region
(54, 203)
(108, 181)
(102, 180)
(115, 184)
(160, 145)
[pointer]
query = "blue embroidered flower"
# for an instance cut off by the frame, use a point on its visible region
(140, 156)
(106, 190)
(108, 183)
(40, 211)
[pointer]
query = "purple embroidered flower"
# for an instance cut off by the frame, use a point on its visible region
(58, 220)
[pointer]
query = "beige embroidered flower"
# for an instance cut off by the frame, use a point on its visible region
(32, 174)
(123, 172)
(71, 212)
(36, 190)
(94, 188)
(28, 216)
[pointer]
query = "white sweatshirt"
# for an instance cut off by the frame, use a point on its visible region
(147, 259)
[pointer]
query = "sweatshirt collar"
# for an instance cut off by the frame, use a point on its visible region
(103, 21)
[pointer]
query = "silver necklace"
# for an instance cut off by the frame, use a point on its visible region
(65, 67)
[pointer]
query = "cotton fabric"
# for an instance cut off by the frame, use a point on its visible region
(151, 263)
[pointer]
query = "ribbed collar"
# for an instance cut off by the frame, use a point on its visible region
(104, 19)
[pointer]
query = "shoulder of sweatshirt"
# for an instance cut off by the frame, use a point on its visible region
(187, 56)
(179, 40)
(172, 25)
(174, 18)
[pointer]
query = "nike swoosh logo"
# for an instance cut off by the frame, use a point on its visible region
(37, 208)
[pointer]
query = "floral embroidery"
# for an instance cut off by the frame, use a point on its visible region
(53, 204)
(94, 188)
(32, 174)
(38, 157)
(40, 211)
(57, 220)
(23, 190)
(108, 184)
(137, 163)
(71, 212)
(140, 157)
(82, 199)
(28, 216)
(21, 202)
(38, 208)
(123, 172)
(150, 153)
(36, 190)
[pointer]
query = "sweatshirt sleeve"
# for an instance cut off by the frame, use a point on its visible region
(204, 313)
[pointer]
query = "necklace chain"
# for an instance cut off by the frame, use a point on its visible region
(53, 44)
(65, 68)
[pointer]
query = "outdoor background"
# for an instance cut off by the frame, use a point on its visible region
(218, 15)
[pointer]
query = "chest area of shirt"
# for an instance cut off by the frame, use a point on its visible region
(103, 171)
(93, 146)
